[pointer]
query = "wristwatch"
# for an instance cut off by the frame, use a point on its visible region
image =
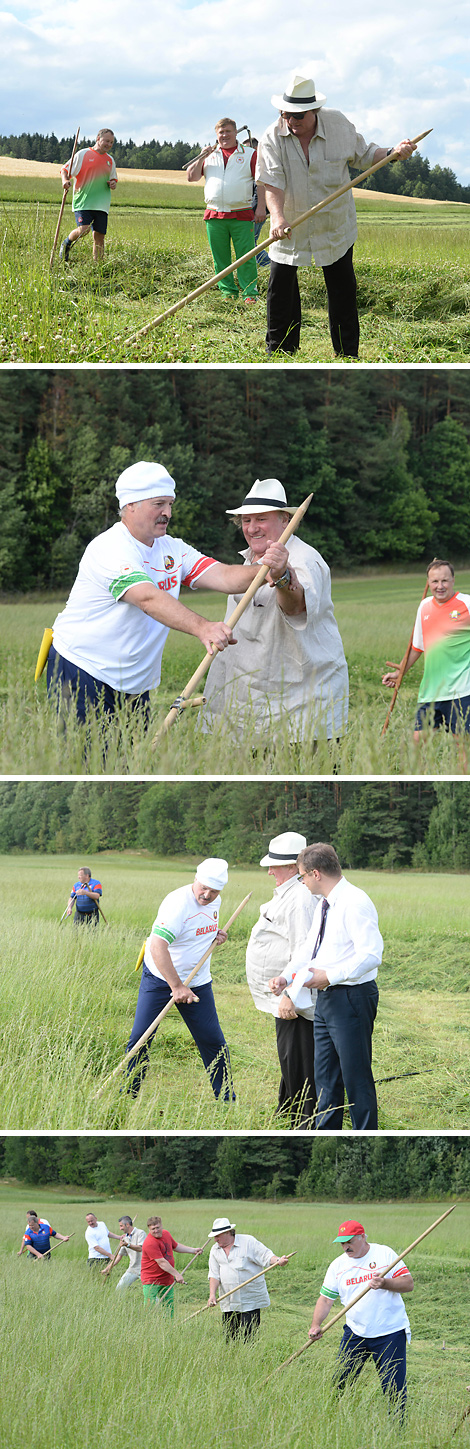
(284, 581)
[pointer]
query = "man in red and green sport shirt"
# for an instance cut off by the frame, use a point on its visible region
(94, 173)
(442, 634)
(158, 1272)
(229, 170)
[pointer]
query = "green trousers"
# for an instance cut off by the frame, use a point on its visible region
(221, 232)
(154, 1291)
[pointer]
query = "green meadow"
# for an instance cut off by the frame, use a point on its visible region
(412, 263)
(69, 994)
(375, 615)
(89, 1368)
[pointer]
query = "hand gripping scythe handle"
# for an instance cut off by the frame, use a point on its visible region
(362, 1291)
(150, 1029)
(237, 613)
(213, 281)
(232, 1291)
(62, 204)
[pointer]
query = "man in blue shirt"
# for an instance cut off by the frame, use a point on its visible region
(37, 1238)
(85, 896)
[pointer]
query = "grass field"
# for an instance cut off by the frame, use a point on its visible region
(69, 995)
(375, 617)
(412, 262)
(100, 1370)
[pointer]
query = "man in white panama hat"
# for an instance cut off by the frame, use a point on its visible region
(108, 641)
(187, 922)
(303, 157)
(283, 925)
(289, 663)
(233, 1258)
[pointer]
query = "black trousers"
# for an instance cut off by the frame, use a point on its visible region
(297, 1085)
(343, 1026)
(242, 1325)
(284, 310)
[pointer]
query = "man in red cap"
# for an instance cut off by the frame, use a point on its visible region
(377, 1326)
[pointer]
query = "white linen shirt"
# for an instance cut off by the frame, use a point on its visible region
(98, 1234)
(379, 1311)
(246, 1257)
(284, 923)
(286, 665)
(282, 163)
(352, 946)
(110, 639)
(187, 929)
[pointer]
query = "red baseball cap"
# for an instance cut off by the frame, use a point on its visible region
(349, 1230)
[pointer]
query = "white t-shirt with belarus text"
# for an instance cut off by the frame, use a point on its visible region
(187, 929)
(110, 639)
(378, 1312)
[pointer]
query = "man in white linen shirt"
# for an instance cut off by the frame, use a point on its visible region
(302, 158)
(289, 662)
(283, 924)
(378, 1327)
(340, 958)
(108, 641)
(131, 1245)
(233, 1258)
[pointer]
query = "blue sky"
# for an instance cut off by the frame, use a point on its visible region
(170, 70)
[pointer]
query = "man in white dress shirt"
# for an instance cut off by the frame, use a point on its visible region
(283, 924)
(233, 1258)
(340, 958)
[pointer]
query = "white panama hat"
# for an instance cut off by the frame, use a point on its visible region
(144, 480)
(299, 95)
(212, 873)
(221, 1225)
(284, 849)
(266, 494)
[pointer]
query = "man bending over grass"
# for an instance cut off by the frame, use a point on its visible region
(108, 641)
(95, 177)
(442, 634)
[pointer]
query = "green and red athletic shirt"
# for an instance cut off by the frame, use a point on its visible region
(92, 172)
(442, 633)
(154, 1248)
(247, 214)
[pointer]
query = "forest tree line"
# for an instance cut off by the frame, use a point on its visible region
(423, 825)
(386, 454)
(415, 177)
(385, 1169)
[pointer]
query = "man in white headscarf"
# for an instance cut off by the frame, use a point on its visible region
(302, 158)
(108, 641)
(283, 925)
(289, 664)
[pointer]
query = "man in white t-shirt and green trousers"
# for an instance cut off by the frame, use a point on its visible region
(186, 924)
(108, 641)
(378, 1325)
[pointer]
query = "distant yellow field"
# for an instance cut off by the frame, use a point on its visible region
(13, 166)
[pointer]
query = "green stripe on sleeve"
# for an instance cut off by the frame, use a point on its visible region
(329, 1293)
(165, 935)
(126, 581)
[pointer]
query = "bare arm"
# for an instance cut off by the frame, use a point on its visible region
(195, 170)
(260, 213)
(168, 611)
(213, 1286)
(320, 1312)
(167, 1267)
(161, 956)
(404, 149)
(193, 1252)
(391, 678)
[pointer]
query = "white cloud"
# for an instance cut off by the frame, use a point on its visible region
(165, 71)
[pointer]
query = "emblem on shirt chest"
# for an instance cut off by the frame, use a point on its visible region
(169, 562)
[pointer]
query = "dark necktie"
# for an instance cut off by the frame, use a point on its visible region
(324, 908)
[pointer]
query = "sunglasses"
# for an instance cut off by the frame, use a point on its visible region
(294, 115)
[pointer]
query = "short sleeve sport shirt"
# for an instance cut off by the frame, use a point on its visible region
(442, 633)
(377, 1312)
(187, 929)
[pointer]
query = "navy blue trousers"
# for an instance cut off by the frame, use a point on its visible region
(67, 682)
(203, 1022)
(343, 1026)
(389, 1355)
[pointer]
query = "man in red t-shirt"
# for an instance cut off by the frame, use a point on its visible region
(229, 214)
(158, 1272)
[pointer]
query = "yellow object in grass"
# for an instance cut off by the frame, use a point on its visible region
(43, 654)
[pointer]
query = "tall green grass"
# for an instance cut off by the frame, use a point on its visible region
(375, 617)
(413, 269)
(102, 1370)
(69, 995)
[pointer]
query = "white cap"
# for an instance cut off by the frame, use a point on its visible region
(144, 480)
(212, 873)
(284, 849)
(221, 1225)
(299, 95)
(265, 494)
